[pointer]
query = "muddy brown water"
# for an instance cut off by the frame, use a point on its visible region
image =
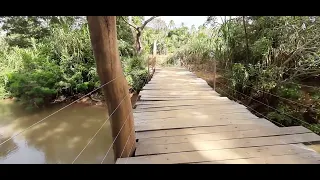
(58, 139)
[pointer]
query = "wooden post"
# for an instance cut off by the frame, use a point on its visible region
(103, 34)
(214, 74)
(148, 70)
(154, 48)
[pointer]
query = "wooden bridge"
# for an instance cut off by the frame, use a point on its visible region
(180, 119)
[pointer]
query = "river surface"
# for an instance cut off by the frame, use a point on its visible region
(58, 139)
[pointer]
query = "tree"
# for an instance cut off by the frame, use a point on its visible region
(21, 29)
(103, 35)
(137, 31)
(159, 32)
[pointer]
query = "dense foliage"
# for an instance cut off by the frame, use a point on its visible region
(44, 58)
(269, 63)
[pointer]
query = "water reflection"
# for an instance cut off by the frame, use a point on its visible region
(58, 139)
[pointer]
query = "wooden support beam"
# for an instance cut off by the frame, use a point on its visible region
(103, 35)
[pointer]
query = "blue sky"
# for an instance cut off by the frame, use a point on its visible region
(187, 20)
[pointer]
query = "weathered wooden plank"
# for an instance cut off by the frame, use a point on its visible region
(201, 121)
(164, 81)
(177, 93)
(303, 158)
(199, 130)
(215, 155)
(143, 149)
(182, 104)
(178, 98)
(180, 86)
(189, 124)
(189, 116)
(192, 101)
(190, 107)
(261, 132)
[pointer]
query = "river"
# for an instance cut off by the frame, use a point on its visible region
(58, 139)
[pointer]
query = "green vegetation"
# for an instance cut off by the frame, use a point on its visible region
(265, 61)
(43, 58)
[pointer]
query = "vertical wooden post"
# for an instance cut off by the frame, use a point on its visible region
(103, 34)
(154, 48)
(148, 70)
(214, 74)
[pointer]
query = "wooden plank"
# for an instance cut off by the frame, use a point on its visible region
(222, 108)
(215, 155)
(164, 81)
(180, 112)
(143, 149)
(180, 86)
(199, 130)
(176, 98)
(214, 107)
(188, 116)
(303, 158)
(261, 132)
(202, 118)
(192, 110)
(182, 104)
(181, 96)
(186, 102)
(178, 93)
(190, 124)
(177, 85)
(200, 121)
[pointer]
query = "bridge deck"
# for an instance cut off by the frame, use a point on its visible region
(180, 119)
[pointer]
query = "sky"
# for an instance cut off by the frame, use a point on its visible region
(187, 20)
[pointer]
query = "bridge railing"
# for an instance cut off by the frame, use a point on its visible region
(226, 88)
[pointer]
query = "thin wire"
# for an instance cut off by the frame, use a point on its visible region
(301, 85)
(284, 82)
(253, 109)
(270, 107)
(56, 112)
(127, 142)
(278, 96)
(100, 128)
(114, 140)
(264, 116)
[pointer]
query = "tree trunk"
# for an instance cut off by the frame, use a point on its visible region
(103, 36)
(133, 31)
(138, 42)
(246, 36)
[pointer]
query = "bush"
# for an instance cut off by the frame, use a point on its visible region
(136, 72)
(35, 83)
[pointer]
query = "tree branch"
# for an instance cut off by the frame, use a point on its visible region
(298, 50)
(147, 21)
(129, 23)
